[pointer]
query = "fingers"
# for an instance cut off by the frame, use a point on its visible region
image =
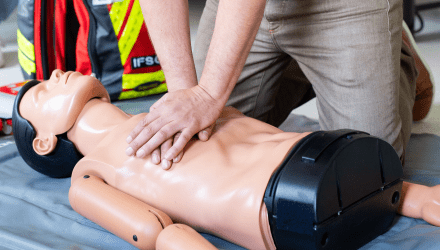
(150, 138)
(180, 155)
(158, 144)
(178, 158)
(178, 145)
(155, 156)
(176, 152)
(140, 127)
(164, 148)
(206, 133)
(166, 164)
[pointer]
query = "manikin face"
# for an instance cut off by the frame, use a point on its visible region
(53, 106)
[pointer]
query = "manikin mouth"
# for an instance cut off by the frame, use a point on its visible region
(96, 97)
(68, 75)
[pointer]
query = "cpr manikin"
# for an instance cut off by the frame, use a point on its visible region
(218, 187)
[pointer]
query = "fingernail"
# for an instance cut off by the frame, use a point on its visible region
(129, 139)
(166, 164)
(140, 153)
(129, 151)
(204, 135)
(176, 159)
(156, 159)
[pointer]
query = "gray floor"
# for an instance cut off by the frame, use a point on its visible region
(428, 41)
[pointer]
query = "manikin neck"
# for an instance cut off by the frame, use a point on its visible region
(96, 120)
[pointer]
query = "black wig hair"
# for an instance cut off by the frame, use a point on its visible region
(57, 164)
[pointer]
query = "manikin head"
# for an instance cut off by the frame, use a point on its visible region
(42, 115)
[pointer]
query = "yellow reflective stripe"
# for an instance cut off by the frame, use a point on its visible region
(131, 81)
(25, 46)
(117, 14)
(135, 94)
(131, 31)
(27, 65)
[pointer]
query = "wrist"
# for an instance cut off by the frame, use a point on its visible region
(218, 88)
(214, 101)
(414, 198)
(174, 85)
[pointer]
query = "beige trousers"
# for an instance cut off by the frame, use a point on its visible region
(347, 53)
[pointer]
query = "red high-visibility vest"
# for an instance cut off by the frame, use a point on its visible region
(95, 37)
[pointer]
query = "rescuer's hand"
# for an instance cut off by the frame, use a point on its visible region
(172, 122)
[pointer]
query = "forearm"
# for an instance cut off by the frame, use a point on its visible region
(127, 217)
(236, 26)
(168, 25)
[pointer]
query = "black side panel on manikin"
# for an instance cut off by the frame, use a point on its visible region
(335, 190)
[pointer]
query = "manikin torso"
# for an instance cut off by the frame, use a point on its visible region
(217, 187)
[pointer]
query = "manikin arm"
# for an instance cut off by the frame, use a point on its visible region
(129, 218)
(121, 214)
(180, 236)
(421, 202)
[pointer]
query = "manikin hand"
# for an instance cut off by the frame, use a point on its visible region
(421, 202)
(174, 120)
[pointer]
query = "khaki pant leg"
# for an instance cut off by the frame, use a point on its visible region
(351, 53)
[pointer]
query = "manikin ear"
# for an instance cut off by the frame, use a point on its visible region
(44, 145)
